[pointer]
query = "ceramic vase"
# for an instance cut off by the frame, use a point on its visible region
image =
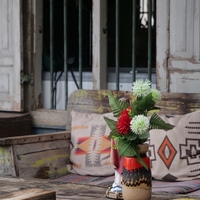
(136, 179)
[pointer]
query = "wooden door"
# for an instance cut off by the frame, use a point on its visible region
(11, 91)
(178, 45)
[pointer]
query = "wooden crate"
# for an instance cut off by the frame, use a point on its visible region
(38, 156)
(15, 124)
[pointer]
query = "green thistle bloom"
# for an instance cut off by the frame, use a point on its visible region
(156, 95)
(140, 124)
(141, 87)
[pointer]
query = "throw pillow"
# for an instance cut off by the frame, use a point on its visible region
(175, 154)
(90, 145)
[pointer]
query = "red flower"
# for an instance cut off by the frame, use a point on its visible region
(123, 124)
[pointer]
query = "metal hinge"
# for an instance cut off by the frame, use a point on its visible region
(26, 78)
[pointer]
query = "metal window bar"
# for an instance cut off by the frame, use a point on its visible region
(134, 41)
(117, 43)
(80, 32)
(149, 38)
(51, 53)
(143, 14)
(65, 51)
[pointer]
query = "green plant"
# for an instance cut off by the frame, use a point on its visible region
(132, 125)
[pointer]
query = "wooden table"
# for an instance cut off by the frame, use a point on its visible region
(67, 191)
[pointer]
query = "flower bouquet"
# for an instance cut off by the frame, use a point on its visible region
(133, 125)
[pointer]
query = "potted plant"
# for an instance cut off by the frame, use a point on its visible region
(130, 130)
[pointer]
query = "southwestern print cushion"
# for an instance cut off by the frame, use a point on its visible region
(175, 154)
(90, 145)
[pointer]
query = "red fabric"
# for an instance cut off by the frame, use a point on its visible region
(116, 159)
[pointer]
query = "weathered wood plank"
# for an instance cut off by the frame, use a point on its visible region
(35, 138)
(7, 164)
(42, 160)
(96, 101)
(24, 149)
(30, 194)
(41, 156)
(44, 117)
(47, 164)
(179, 103)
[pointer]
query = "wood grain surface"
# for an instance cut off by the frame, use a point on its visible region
(9, 185)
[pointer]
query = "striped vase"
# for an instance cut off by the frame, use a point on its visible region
(136, 179)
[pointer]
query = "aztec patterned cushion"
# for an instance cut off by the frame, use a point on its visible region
(90, 146)
(175, 154)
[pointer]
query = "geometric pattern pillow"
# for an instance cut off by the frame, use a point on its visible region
(90, 145)
(175, 154)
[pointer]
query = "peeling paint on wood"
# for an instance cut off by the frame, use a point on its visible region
(39, 156)
(6, 161)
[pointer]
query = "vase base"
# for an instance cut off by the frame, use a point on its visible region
(136, 193)
(113, 195)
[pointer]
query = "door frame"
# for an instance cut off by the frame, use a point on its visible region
(32, 44)
(162, 43)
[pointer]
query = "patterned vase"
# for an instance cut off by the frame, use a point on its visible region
(136, 179)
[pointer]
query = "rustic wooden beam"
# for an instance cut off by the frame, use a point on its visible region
(45, 117)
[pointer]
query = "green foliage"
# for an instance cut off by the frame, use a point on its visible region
(111, 123)
(157, 123)
(127, 148)
(131, 136)
(117, 106)
(146, 103)
(143, 105)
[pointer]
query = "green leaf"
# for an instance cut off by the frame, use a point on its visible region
(114, 134)
(144, 136)
(117, 106)
(157, 123)
(130, 136)
(111, 123)
(126, 148)
(140, 160)
(145, 104)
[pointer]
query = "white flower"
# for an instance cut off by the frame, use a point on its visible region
(141, 87)
(140, 124)
(156, 95)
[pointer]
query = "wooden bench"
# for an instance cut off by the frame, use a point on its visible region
(47, 155)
